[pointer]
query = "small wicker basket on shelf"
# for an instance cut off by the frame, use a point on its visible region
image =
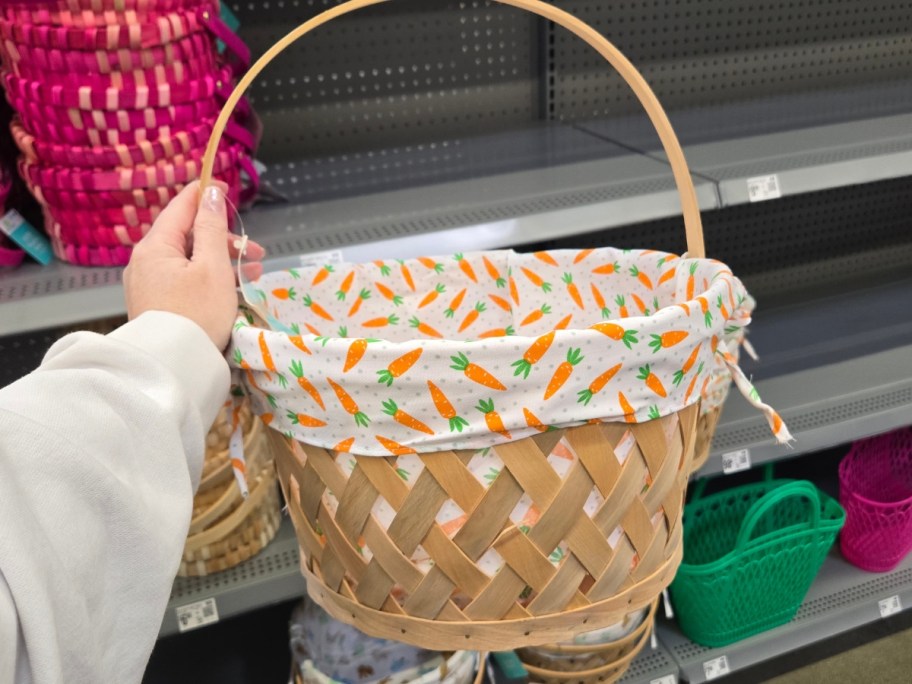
(227, 529)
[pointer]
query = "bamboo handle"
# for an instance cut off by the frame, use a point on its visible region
(690, 209)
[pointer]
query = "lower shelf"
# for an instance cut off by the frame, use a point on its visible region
(652, 666)
(842, 598)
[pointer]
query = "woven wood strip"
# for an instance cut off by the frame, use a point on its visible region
(706, 430)
(533, 593)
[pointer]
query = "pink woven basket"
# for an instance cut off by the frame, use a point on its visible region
(875, 488)
(179, 72)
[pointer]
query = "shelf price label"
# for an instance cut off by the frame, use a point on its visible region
(736, 461)
(762, 188)
(322, 259)
(194, 615)
(890, 606)
(715, 668)
(667, 679)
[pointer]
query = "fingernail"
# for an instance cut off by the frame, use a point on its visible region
(214, 199)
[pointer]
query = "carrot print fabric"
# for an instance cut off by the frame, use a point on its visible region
(470, 350)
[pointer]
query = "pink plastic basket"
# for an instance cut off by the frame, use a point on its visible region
(875, 488)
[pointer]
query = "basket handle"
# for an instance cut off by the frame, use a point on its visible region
(692, 224)
(801, 489)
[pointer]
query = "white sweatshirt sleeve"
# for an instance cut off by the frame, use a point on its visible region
(100, 452)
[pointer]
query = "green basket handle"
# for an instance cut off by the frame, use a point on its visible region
(802, 489)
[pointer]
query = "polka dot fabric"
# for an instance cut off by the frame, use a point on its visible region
(470, 350)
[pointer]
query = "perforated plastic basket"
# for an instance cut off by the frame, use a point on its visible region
(875, 488)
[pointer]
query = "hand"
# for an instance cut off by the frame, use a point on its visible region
(183, 265)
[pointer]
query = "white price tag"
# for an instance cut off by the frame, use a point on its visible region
(763, 188)
(715, 668)
(890, 606)
(197, 614)
(322, 258)
(667, 679)
(736, 461)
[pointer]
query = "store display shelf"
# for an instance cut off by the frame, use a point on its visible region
(652, 666)
(272, 576)
(842, 598)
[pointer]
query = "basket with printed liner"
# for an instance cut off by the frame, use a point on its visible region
(233, 518)
(467, 460)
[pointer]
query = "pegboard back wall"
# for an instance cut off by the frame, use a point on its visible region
(408, 72)
(792, 247)
(416, 71)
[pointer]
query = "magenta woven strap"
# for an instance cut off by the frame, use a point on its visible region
(106, 235)
(144, 152)
(151, 31)
(106, 61)
(50, 14)
(148, 197)
(123, 5)
(10, 258)
(129, 216)
(83, 255)
(171, 172)
(232, 41)
(128, 96)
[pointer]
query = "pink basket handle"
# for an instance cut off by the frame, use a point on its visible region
(755, 514)
(232, 41)
(690, 208)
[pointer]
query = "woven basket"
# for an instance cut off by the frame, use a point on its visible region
(706, 430)
(587, 663)
(613, 561)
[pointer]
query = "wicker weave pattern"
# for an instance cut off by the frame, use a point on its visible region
(591, 587)
(706, 430)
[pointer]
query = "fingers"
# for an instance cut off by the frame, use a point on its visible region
(172, 227)
(210, 228)
(251, 272)
(253, 252)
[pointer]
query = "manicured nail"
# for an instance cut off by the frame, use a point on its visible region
(214, 199)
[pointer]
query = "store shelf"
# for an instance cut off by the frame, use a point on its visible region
(272, 576)
(842, 598)
(652, 666)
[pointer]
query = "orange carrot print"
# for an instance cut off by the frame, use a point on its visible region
(342, 292)
(297, 370)
(267, 355)
(600, 301)
(642, 277)
(668, 275)
(514, 292)
(533, 355)
(297, 340)
(475, 373)
(639, 304)
(617, 332)
(345, 445)
(394, 448)
(622, 306)
(381, 322)
(493, 272)
(564, 322)
(668, 339)
(582, 254)
(652, 381)
(597, 385)
(501, 302)
(533, 421)
(316, 308)
(722, 308)
(446, 409)
(492, 418)
(267, 419)
(239, 360)
(312, 330)
(284, 293)
(536, 279)
(349, 404)
(685, 369)
(707, 314)
(629, 413)
(430, 264)
(497, 332)
(536, 315)
(305, 420)
(547, 258)
(355, 353)
(465, 267)
(693, 383)
(321, 275)
(472, 316)
(432, 295)
(391, 409)
(607, 269)
(399, 367)
(573, 290)
(424, 328)
(690, 282)
(388, 294)
(363, 295)
(407, 275)
(563, 372)
(384, 269)
(455, 304)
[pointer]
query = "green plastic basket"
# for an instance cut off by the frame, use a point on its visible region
(750, 556)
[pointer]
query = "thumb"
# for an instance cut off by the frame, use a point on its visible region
(210, 228)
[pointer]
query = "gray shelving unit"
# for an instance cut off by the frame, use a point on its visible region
(841, 599)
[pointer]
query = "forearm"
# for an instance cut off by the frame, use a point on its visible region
(101, 452)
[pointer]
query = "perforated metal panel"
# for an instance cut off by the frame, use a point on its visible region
(400, 73)
(710, 51)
